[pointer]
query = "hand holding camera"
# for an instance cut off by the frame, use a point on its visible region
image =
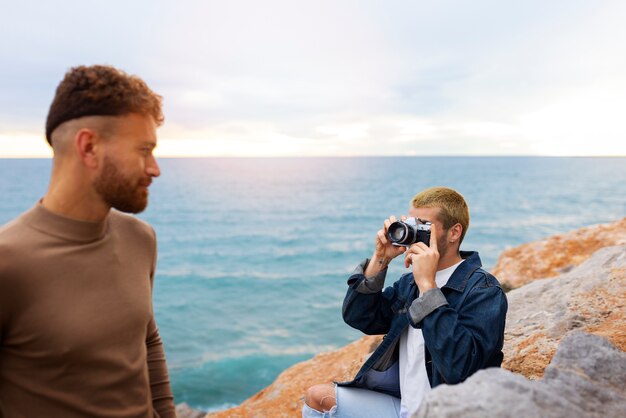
(384, 249)
(424, 259)
(413, 237)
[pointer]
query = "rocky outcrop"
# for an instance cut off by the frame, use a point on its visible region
(284, 397)
(185, 411)
(592, 297)
(585, 379)
(557, 254)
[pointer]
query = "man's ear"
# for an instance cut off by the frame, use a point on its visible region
(454, 233)
(86, 144)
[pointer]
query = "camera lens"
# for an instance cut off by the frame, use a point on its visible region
(398, 233)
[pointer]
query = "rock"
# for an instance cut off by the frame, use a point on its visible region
(284, 397)
(557, 254)
(591, 297)
(185, 411)
(585, 379)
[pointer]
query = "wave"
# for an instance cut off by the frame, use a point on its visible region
(267, 350)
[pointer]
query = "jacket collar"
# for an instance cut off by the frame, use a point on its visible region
(461, 275)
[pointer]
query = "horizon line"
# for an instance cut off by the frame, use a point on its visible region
(171, 157)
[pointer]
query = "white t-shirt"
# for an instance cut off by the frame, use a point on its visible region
(413, 378)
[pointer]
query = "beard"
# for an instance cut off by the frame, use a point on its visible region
(442, 243)
(119, 191)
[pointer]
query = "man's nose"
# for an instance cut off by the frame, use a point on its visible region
(152, 168)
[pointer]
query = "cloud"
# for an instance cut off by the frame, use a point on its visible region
(302, 78)
(23, 145)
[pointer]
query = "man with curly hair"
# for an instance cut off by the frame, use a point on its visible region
(77, 331)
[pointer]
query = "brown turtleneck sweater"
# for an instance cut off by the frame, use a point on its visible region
(77, 330)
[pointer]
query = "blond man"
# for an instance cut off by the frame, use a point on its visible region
(443, 321)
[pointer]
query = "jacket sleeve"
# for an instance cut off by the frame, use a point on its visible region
(366, 306)
(464, 341)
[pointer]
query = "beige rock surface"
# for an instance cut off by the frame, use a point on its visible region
(591, 298)
(585, 379)
(557, 254)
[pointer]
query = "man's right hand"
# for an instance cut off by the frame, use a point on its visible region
(384, 250)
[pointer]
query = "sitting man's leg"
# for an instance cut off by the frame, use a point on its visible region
(321, 397)
(328, 400)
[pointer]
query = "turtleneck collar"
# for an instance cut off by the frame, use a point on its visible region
(60, 226)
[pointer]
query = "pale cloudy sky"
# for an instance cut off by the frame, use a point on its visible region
(333, 77)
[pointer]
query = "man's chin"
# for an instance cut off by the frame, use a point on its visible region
(137, 206)
(141, 207)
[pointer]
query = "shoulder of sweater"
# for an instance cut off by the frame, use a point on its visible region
(131, 224)
(12, 233)
(12, 237)
(10, 229)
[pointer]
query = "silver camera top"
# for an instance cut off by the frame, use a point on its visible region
(418, 224)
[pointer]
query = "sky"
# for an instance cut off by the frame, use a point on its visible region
(334, 77)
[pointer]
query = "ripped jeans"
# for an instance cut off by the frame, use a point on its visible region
(358, 403)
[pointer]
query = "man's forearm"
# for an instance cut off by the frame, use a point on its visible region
(162, 397)
(365, 307)
(376, 265)
(372, 283)
(425, 304)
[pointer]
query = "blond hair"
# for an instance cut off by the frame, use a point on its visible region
(452, 205)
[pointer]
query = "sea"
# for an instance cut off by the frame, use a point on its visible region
(254, 253)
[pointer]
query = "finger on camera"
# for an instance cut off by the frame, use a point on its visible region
(433, 236)
(418, 248)
(397, 251)
(408, 260)
(382, 237)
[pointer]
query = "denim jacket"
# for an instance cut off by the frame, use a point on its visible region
(462, 324)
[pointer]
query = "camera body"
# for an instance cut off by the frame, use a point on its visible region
(408, 232)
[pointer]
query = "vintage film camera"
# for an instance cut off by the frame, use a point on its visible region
(408, 232)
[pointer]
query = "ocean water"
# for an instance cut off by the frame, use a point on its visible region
(254, 253)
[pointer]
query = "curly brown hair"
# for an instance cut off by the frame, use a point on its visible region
(101, 90)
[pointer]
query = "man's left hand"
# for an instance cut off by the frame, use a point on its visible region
(424, 260)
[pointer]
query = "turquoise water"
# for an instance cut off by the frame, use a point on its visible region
(254, 253)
